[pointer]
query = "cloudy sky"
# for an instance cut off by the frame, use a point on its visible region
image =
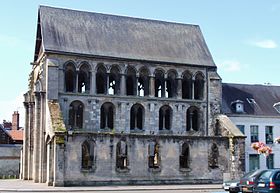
(243, 37)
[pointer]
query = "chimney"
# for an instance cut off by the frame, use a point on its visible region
(15, 121)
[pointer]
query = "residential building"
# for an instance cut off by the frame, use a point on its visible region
(255, 109)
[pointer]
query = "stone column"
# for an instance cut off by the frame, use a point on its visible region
(77, 81)
(179, 88)
(192, 88)
(123, 88)
(152, 86)
(36, 137)
(50, 168)
(26, 143)
(42, 161)
(59, 164)
(31, 140)
(93, 82)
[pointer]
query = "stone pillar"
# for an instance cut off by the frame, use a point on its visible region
(152, 86)
(31, 140)
(107, 83)
(26, 143)
(42, 158)
(50, 155)
(59, 164)
(179, 88)
(36, 137)
(93, 82)
(123, 88)
(192, 88)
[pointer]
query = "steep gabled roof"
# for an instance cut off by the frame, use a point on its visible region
(95, 34)
(257, 99)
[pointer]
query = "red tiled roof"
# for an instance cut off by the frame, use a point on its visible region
(16, 135)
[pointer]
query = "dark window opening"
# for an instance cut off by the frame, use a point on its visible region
(114, 81)
(76, 114)
(185, 156)
(141, 87)
(84, 79)
(165, 114)
(121, 159)
(192, 119)
(143, 83)
(171, 85)
(214, 156)
(107, 116)
(198, 87)
(101, 81)
(159, 84)
(154, 157)
(187, 87)
(131, 82)
(87, 155)
(136, 117)
(70, 78)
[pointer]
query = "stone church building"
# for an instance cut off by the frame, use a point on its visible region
(121, 100)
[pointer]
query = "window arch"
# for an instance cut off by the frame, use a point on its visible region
(187, 86)
(154, 155)
(136, 117)
(130, 81)
(76, 111)
(121, 153)
(70, 77)
(101, 80)
(87, 155)
(84, 79)
(165, 117)
(171, 85)
(143, 82)
(114, 81)
(107, 116)
(199, 86)
(185, 156)
(214, 156)
(192, 119)
(159, 84)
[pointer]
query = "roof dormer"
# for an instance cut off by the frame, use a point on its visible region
(238, 106)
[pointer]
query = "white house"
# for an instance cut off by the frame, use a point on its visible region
(255, 109)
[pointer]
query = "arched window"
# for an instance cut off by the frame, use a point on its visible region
(154, 156)
(121, 159)
(114, 81)
(84, 79)
(199, 86)
(107, 116)
(159, 84)
(130, 81)
(185, 156)
(165, 118)
(214, 156)
(193, 119)
(76, 111)
(136, 117)
(70, 77)
(187, 86)
(87, 155)
(143, 82)
(171, 85)
(101, 80)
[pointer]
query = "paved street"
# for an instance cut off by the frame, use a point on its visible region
(29, 186)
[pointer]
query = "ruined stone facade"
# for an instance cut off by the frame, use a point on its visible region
(120, 114)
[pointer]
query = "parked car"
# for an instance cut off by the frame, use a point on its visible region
(249, 181)
(269, 182)
(232, 186)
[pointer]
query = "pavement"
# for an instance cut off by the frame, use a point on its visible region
(29, 186)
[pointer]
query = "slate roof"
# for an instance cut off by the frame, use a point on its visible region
(264, 96)
(96, 34)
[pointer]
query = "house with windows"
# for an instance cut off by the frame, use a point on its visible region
(255, 110)
(121, 100)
